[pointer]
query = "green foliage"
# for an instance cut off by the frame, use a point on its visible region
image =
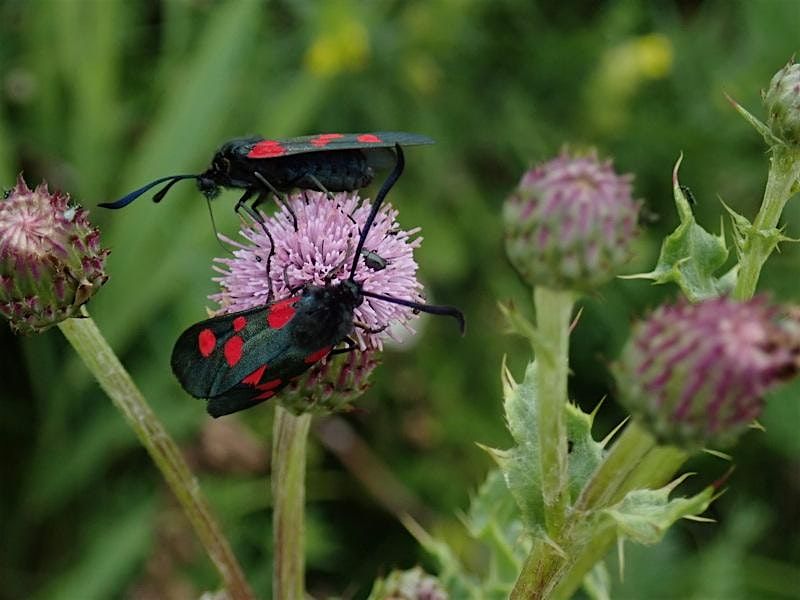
(495, 523)
(520, 464)
(690, 255)
(644, 515)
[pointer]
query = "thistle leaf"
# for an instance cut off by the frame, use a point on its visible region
(690, 255)
(520, 464)
(645, 515)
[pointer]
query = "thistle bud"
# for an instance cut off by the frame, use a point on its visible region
(570, 223)
(696, 374)
(51, 261)
(414, 584)
(782, 101)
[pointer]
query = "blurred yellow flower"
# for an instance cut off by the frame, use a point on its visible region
(621, 71)
(342, 46)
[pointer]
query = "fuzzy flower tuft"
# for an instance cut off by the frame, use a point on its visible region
(570, 223)
(696, 374)
(782, 101)
(319, 252)
(51, 261)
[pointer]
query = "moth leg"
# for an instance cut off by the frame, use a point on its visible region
(319, 185)
(242, 207)
(292, 290)
(368, 329)
(279, 198)
(351, 345)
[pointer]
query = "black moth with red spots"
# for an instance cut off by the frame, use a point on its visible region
(240, 359)
(328, 162)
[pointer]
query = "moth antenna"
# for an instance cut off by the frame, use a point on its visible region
(159, 196)
(433, 309)
(399, 164)
(128, 198)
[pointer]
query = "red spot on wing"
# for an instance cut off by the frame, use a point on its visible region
(264, 396)
(255, 376)
(266, 149)
(239, 323)
(270, 385)
(369, 138)
(324, 139)
(281, 312)
(233, 350)
(206, 341)
(315, 356)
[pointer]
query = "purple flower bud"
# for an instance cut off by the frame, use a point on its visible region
(414, 584)
(51, 261)
(320, 251)
(570, 223)
(696, 374)
(782, 101)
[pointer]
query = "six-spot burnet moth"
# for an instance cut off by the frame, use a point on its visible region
(240, 359)
(327, 162)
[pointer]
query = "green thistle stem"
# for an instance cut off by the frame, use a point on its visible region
(101, 361)
(784, 172)
(290, 435)
(635, 461)
(608, 483)
(553, 313)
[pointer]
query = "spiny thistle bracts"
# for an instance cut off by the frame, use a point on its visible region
(51, 261)
(570, 223)
(782, 101)
(696, 374)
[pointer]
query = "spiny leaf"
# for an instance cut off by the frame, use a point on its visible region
(520, 325)
(689, 255)
(520, 464)
(644, 515)
(584, 452)
(758, 125)
(744, 233)
(521, 467)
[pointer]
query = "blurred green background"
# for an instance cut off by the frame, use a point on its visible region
(99, 97)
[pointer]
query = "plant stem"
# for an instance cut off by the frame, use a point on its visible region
(101, 361)
(635, 461)
(290, 434)
(627, 453)
(760, 240)
(553, 313)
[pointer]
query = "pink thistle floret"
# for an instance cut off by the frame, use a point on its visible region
(697, 374)
(51, 261)
(320, 251)
(570, 223)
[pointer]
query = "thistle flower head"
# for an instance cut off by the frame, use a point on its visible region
(570, 223)
(782, 101)
(319, 251)
(51, 262)
(696, 374)
(414, 584)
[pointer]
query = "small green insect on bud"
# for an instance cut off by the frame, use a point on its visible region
(414, 584)
(51, 261)
(782, 101)
(696, 374)
(570, 223)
